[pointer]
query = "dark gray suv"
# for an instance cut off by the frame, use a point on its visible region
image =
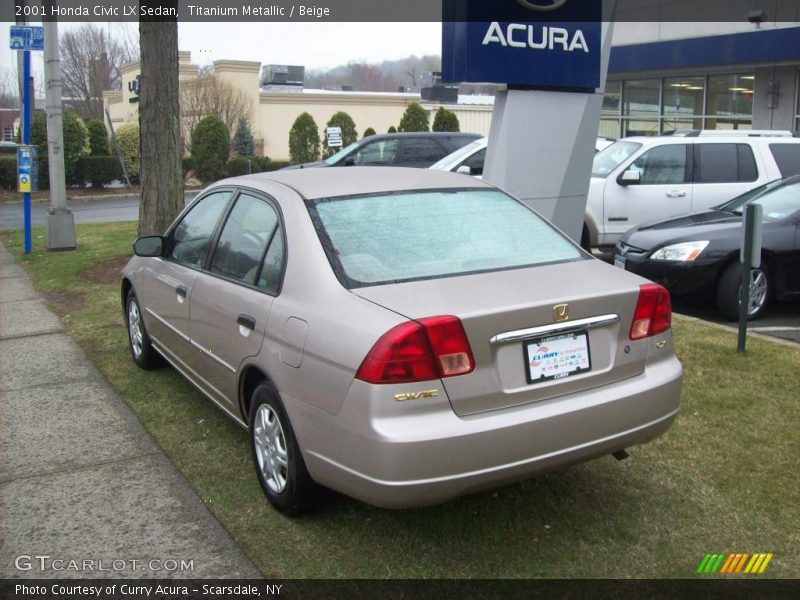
(418, 149)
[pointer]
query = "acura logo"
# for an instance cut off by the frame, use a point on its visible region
(541, 5)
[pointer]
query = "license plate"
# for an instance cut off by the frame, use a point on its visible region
(557, 356)
(619, 261)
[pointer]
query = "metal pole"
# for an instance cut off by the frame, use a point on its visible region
(26, 139)
(750, 258)
(60, 221)
(116, 149)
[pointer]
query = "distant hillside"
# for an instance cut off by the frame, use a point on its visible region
(388, 76)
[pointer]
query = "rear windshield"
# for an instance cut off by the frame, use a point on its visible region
(407, 236)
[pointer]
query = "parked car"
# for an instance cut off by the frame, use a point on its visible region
(698, 255)
(469, 159)
(640, 179)
(402, 336)
(418, 149)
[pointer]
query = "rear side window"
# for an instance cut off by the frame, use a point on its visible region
(409, 236)
(724, 163)
(453, 143)
(422, 150)
(787, 156)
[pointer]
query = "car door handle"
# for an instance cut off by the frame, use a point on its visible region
(676, 194)
(617, 219)
(246, 321)
(181, 291)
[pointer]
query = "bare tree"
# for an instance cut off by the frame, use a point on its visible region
(208, 95)
(9, 89)
(159, 121)
(91, 62)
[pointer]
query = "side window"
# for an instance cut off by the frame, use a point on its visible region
(377, 153)
(192, 236)
(249, 228)
(724, 163)
(422, 150)
(663, 165)
(787, 156)
(475, 162)
(271, 270)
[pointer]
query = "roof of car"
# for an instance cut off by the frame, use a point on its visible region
(330, 182)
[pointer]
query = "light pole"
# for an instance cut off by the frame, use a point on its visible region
(60, 220)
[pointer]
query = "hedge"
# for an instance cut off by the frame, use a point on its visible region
(210, 149)
(8, 172)
(99, 170)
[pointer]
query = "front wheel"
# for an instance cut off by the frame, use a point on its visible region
(279, 464)
(730, 285)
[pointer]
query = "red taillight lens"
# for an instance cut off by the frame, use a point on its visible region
(653, 313)
(420, 350)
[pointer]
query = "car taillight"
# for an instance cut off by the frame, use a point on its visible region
(420, 350)
(653, 314)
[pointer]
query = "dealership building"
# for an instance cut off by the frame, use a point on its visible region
(663, 77)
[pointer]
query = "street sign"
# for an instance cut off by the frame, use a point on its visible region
(334, 135)
(27, 169)
(26, 37)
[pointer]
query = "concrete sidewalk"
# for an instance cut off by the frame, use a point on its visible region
(80, 478)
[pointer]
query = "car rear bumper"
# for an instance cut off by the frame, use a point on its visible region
(396, 455)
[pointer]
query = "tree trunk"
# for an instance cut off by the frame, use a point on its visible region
(161, 174)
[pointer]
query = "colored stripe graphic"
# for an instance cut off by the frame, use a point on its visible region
(738, 562)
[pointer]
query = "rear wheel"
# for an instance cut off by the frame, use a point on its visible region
(142, 351)
(729, 287)
(279, 464)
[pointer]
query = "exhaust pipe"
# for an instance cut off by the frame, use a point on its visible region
(620, 455)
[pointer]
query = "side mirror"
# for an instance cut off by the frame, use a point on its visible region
(349, 161)
(464, 169)
(630, 177)
(149, 246)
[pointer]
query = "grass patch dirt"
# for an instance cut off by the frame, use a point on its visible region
(723, 479)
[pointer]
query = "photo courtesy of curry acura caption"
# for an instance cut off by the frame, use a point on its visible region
(402, 336)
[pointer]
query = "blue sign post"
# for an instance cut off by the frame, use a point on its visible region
(25, 39)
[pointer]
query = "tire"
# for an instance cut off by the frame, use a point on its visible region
(279, 463)
(585, 240)
(142, 351)
(728, 292)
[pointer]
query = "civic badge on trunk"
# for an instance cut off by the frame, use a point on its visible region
(561, 312)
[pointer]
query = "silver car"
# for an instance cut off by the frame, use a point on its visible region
(402, 336)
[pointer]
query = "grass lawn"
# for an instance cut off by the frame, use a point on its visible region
(723, 479)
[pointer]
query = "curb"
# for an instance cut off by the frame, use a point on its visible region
(735, 330)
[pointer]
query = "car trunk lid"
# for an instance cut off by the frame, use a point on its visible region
(522, 335)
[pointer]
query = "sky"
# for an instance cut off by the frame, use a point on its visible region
(315, 45)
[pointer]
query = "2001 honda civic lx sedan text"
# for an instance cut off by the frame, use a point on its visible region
(401, 336)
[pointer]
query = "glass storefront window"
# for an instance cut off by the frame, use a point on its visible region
(641, 97)
(646, 127)
(672, 124)
(730, 95)
(611, 99)
(684, 96)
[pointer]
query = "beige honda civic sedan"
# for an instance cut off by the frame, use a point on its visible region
(402, 336)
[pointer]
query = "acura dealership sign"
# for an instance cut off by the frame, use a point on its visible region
(551, 44)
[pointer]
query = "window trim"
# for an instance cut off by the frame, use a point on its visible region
(206, 267)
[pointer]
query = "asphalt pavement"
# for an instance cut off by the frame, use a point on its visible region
(123, 207)
(85, 492)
